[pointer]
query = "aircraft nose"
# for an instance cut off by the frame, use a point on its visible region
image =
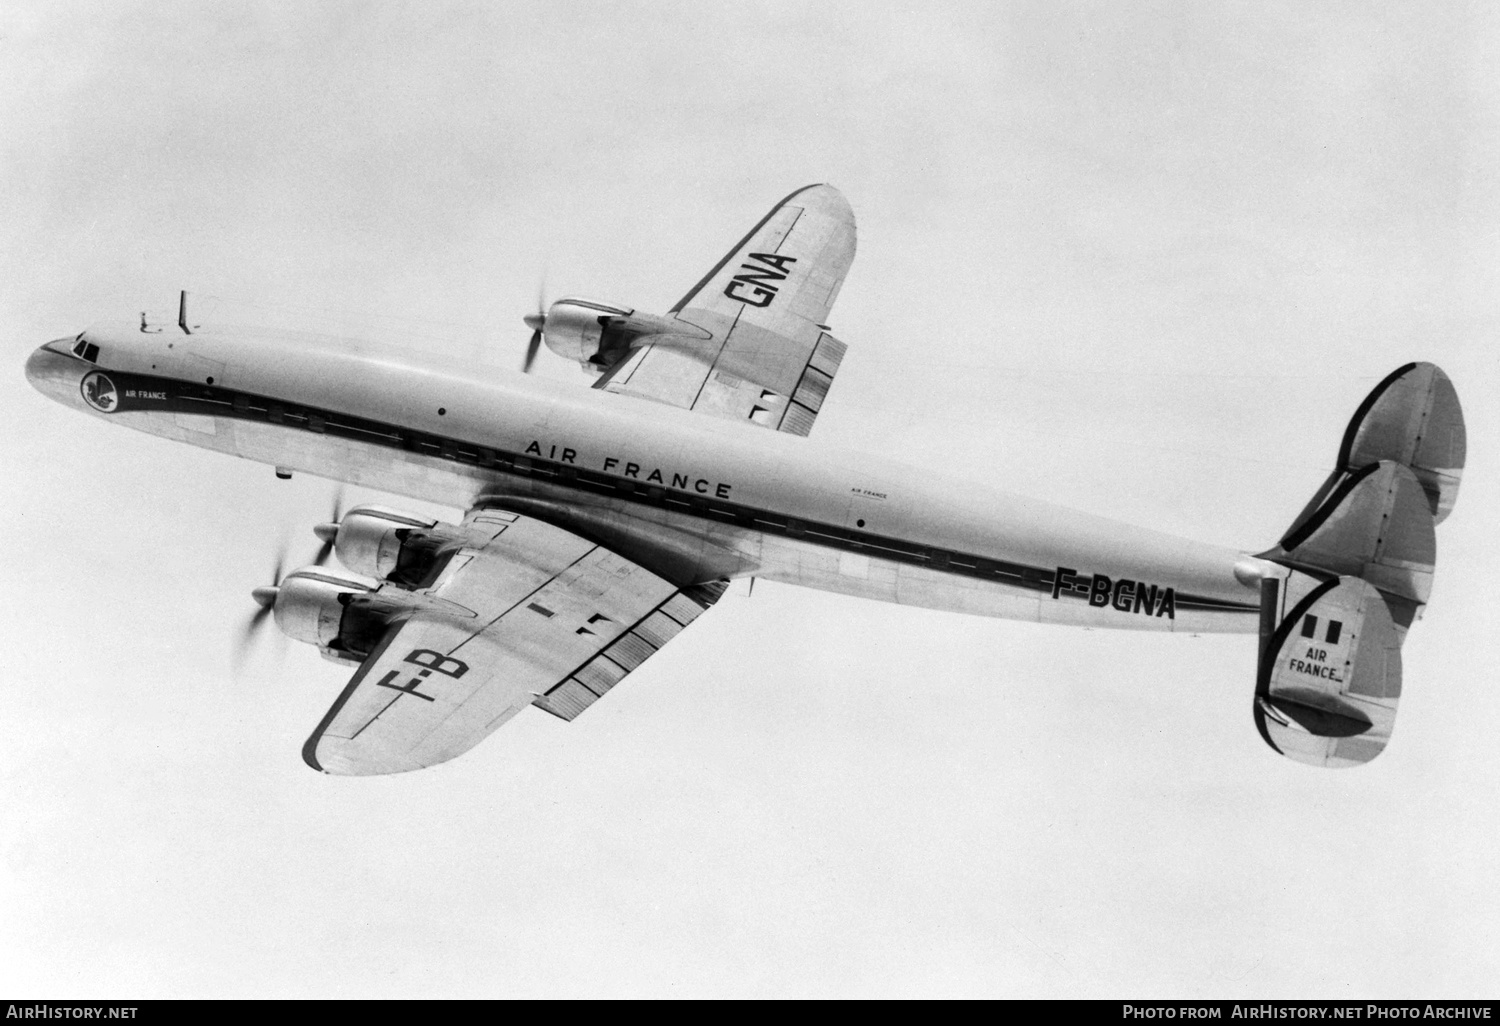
(53, 373)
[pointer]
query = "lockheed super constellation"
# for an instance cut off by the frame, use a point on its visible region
(602, 522)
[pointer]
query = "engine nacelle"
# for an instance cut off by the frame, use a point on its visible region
(398, 547)
(597, 335)
(370, 539)
(574, 328)
(311, 603)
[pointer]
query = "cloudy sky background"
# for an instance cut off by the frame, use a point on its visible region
(1141, 259)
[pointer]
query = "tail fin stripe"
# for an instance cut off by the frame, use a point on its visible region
(1358, 420)
(1301, 532)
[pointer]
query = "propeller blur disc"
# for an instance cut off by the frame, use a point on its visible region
(328, 533)
(532, 348)
(537, 322)
(264, 597)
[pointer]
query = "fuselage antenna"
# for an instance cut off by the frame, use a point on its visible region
(182, 313)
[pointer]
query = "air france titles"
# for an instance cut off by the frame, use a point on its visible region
(1315, 666)
(635, 471)
(1125, 595)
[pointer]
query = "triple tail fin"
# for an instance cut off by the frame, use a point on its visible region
(1357, 570)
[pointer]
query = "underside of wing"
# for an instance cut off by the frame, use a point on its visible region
(769, 358)
(535, 615)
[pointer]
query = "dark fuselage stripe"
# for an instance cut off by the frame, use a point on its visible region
(214, 401)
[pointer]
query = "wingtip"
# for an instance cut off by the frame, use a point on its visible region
(829, 199)
(818, 185)
(343, 758)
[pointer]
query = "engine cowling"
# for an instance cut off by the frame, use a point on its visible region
(574, 328)
(370, 539)
(311, 604)
(598, 335)
(398, 547)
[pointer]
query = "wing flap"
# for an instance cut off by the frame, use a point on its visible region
(591, 681)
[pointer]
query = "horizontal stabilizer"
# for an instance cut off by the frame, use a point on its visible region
(1377, 525)
(1330, 669)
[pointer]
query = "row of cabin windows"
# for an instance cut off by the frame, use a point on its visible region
(419, 442)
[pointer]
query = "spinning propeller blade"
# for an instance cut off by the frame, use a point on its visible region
(265, 597)
(328, 532)
(536, 322)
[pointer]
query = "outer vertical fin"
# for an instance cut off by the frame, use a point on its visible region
(1330, 672)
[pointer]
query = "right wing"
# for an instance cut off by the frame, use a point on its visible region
(535, 616)
(770, 358)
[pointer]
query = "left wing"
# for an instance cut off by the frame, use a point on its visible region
(535, 615)
(770, 359)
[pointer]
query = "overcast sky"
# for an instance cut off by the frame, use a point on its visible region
(1141, 259)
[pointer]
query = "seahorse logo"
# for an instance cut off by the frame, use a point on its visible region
(99, 392)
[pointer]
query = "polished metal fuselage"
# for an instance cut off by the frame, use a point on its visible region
(701, 498)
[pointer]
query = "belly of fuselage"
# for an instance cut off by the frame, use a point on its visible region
(694, 538)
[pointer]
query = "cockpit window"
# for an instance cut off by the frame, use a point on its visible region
(87, 350)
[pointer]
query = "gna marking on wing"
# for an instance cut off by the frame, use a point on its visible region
(635, 471)
(754, 286)
(1124, 595)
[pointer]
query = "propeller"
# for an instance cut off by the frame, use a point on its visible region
(536, 322)
(265, 597)
(328, 532)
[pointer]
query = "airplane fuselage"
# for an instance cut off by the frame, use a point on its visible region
(706, 499)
